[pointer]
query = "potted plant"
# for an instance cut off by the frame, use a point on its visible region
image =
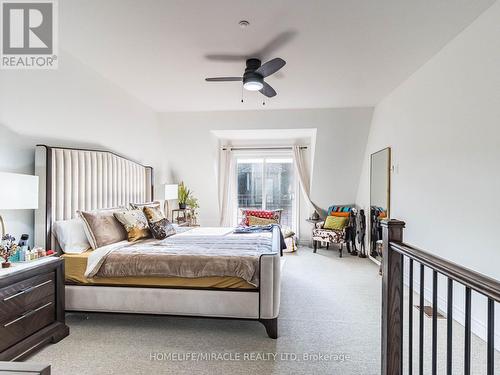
(7, 249)
(184, 193)
(192, 202)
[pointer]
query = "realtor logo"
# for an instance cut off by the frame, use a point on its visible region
(29, 34)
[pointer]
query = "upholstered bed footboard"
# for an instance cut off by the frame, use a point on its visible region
(261, 303)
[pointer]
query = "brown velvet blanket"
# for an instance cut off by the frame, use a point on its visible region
(196, 253)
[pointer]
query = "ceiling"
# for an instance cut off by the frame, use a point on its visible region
(339, 53)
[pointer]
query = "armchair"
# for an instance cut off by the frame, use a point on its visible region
(339, 237)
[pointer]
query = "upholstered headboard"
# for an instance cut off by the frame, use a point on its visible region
(79, 179)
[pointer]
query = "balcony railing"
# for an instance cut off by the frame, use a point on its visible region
(395, 253)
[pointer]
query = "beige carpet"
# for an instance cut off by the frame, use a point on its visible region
(330, 307)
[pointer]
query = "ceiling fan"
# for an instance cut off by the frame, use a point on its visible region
(253, 78)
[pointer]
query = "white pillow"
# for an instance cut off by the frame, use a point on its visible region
(71, 236)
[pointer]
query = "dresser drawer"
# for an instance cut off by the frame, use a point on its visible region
(15, 298)
(33, 318)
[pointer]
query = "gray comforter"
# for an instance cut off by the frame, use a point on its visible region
(200, 252)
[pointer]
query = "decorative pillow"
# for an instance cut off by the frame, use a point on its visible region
(335, 222)
(140, 206)
(102, 228)
(135, 223)
(347, 208)
(287, 232)
(264, 214)
(253, 220)
(340, 214)
(159, 225)
(153, 214)
(71, 236)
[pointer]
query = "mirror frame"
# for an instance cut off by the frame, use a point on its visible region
(369, 226)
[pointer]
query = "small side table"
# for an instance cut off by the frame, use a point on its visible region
(183, 216)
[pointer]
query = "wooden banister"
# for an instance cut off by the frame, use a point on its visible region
(474, 280)
(394, 254)
(392, 299)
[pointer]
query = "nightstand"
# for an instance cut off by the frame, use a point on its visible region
(31, 307)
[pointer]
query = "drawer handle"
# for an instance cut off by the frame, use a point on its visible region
(27, 290)
(27, 314)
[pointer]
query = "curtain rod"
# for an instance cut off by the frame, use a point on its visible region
(261, 148)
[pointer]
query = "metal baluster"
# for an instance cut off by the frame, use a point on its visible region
(467, 345)
(449, 329)
(491, 338)
(421, 325)
(434, 321)
(410, 320)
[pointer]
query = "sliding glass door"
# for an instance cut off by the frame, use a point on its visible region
(268, 183)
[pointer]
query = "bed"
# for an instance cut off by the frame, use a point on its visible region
(81, 179)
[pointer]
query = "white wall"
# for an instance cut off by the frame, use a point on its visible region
(191, 151)
(443, 126)
(71, 106)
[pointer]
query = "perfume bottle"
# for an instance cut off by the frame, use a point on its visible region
(21, 254)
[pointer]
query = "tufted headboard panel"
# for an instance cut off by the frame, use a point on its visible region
(79, 179)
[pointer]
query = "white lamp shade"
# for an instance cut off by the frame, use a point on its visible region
(171, 191)
(18, 191)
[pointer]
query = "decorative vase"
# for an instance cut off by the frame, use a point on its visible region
(182, 206)
(5, 265)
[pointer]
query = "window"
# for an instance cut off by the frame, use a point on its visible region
(267, 183)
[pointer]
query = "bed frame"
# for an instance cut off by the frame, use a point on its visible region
(82, 179)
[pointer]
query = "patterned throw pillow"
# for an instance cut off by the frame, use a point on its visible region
(263, 214)
(159, 225)
(135, 223)
(140, 206)
(253, 220)
(287, 232)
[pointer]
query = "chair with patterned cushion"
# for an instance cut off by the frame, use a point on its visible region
(339, 236)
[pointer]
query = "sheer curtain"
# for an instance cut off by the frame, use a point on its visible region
(303, 176)
(226, 173)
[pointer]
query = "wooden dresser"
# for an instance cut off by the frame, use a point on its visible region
(31, 307)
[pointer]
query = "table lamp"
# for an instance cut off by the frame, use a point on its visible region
(17, 192)
(171, 192)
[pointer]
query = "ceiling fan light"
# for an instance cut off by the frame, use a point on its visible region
(253, 85)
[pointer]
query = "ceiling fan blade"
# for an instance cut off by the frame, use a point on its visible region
(267, 90)
(226, 58)
(271, 67)
(224, 79)
(275, 44)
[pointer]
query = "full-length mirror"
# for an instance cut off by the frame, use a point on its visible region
(380, 186)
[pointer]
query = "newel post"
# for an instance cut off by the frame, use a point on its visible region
(392, 299)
